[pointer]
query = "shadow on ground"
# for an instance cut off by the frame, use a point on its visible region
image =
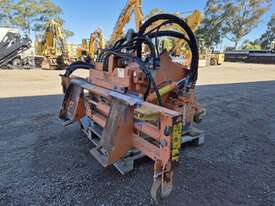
(41, 163)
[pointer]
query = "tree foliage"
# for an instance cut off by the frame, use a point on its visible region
(30, 15)
(68, 33)
(5, 12)
(232, 19)
(250, 45)
(243, 16)
(269, 36)
(210, 30)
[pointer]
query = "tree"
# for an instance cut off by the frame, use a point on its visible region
(269, 36)
(68, 33)
(251, 45)
(229, 49)
(232, 19)
(210, 30)
(242, 16)
(5, 12)
(40, 28)
(31, 15)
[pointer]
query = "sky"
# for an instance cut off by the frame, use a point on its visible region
(84, 16)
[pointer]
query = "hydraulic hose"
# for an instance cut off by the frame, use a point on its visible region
(146, 71)
(193, 72)
(77, 65)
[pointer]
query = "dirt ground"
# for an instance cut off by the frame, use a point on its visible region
(42, 163)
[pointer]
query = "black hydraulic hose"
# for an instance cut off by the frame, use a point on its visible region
(119, 43)
(157, 46)
(146, 93)
(77, 65)
(158, 27)
(171, 34)
(193, 73)
(146, 71)
(102, 54)
(105, 61)
(150, 45)
(145, 40)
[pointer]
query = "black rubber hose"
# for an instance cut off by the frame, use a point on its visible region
(151, 47)
(146, 93)
(147, 73)
(145, 40)
(193, 72)
(171, 34)
(119, 43)
(77, 65)
(158, 27)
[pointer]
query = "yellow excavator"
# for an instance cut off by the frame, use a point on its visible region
(124, 17)
(53, 47)
(131, 6)
(88, 50)
(193, 21)
(90, 47)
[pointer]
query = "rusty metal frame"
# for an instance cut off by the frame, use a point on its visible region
(155, 141)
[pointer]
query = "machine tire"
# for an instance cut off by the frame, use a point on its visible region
(213, 61)
(45, 64)
(17, 62)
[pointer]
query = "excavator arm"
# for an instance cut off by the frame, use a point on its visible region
(53, 47)
(53, 38)
(91, 46)
(124, 18)
(193, 22)
(96, 37)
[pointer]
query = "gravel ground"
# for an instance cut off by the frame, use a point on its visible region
(41, 163)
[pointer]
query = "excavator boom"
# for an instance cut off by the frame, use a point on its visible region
(53, 47)
(124, 18)
(90, 47)
(53, 35)
(96, 37)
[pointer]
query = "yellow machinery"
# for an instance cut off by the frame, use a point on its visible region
(273, 46)
(216, 58)
(179, 46)
(124, 18)
(209, 57)
(88, 50)
(53, 47)
(90, 47)
(193, 22)
(96, 42)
